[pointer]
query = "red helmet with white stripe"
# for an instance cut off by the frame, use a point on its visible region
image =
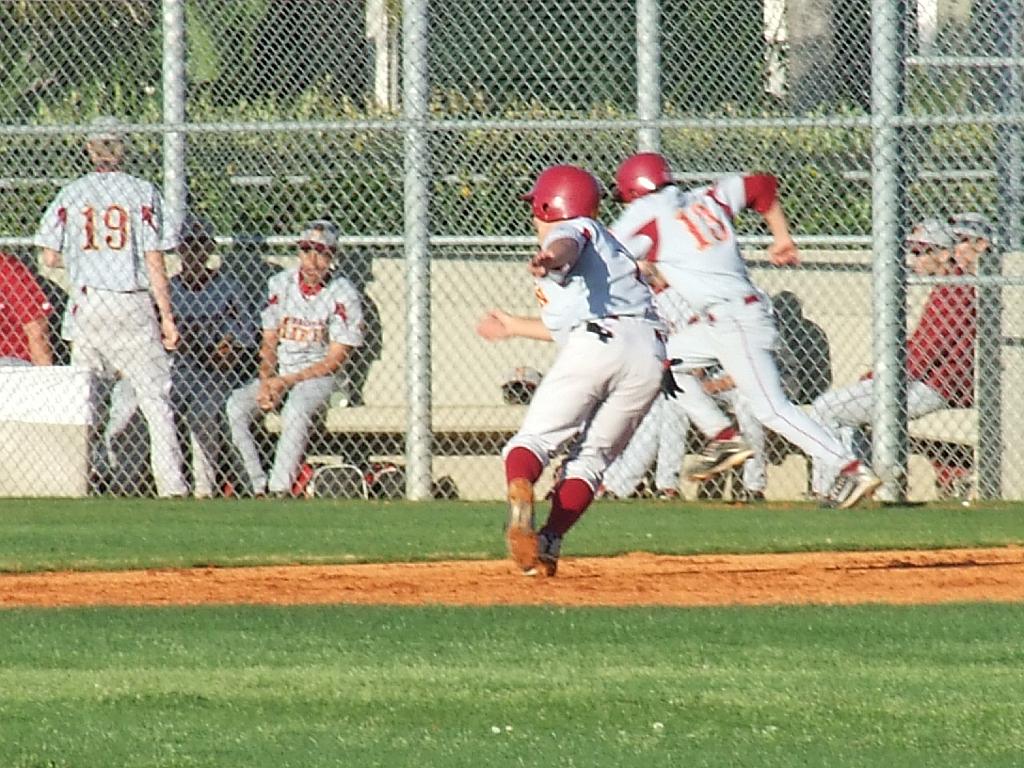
(564, 192)
(641, 174)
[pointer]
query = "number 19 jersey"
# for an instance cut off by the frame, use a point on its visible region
(103, 224)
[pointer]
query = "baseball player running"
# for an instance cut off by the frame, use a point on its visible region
(311, 323)
(597, 309)
(690, 237)
(107, 228)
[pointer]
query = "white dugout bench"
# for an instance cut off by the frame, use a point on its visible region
(44, 425)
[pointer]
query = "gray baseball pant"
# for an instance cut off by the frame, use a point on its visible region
(118, 332)
(301, 404)
(842, 411)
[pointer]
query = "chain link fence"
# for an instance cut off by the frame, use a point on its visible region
(411, 127)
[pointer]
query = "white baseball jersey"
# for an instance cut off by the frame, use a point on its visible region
(307, 321)
(603, 282)
(691, 237)
(103, 224)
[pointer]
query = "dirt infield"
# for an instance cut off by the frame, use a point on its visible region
(636, 579)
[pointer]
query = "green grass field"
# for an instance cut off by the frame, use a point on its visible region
(444, 686)
(132, 533)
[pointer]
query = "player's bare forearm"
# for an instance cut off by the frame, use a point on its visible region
(52, 259)
(498, 324)
(268, 355)
(159, 284)
(530, 328)
(783, 251)
(161, 290)
(38, 334)
(337, 354)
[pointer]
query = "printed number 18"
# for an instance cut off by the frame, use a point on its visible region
(702, 223)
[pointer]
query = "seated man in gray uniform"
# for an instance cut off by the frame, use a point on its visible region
(311, 323)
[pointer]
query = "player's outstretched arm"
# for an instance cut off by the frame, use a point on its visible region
(498, 324)
(761, 192)
(783, 251)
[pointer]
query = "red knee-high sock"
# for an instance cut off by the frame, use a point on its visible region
(522, 463)
(570, 500)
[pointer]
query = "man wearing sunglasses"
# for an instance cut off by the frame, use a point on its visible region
(311, 323)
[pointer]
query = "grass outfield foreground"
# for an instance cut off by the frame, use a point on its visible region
(351, 686)
(91, 534)
(444, 686)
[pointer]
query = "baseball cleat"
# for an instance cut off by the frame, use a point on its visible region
(718, 456)
(520, 537)
(852, 487)
(549, 548)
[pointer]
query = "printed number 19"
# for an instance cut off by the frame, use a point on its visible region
(115, 221)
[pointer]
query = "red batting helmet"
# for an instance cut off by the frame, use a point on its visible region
(564, 192)
(640, 174)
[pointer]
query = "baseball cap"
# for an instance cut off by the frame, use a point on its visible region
(195, 229)
(105, 128)
(519, 385)
(930, 233)
(972, 224)
(319, 235)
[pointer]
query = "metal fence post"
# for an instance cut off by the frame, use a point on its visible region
(175, 192)
(415, 107)
(889, 284)
(648, 72)
(1008, 157)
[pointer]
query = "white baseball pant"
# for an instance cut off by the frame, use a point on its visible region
(115, 455)
(301, 404)
(693, 347)
(661, 436)
(743, 336)
(844, 410)
(118, 332)
(605, 383)
(660, 439)
(755, 469)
